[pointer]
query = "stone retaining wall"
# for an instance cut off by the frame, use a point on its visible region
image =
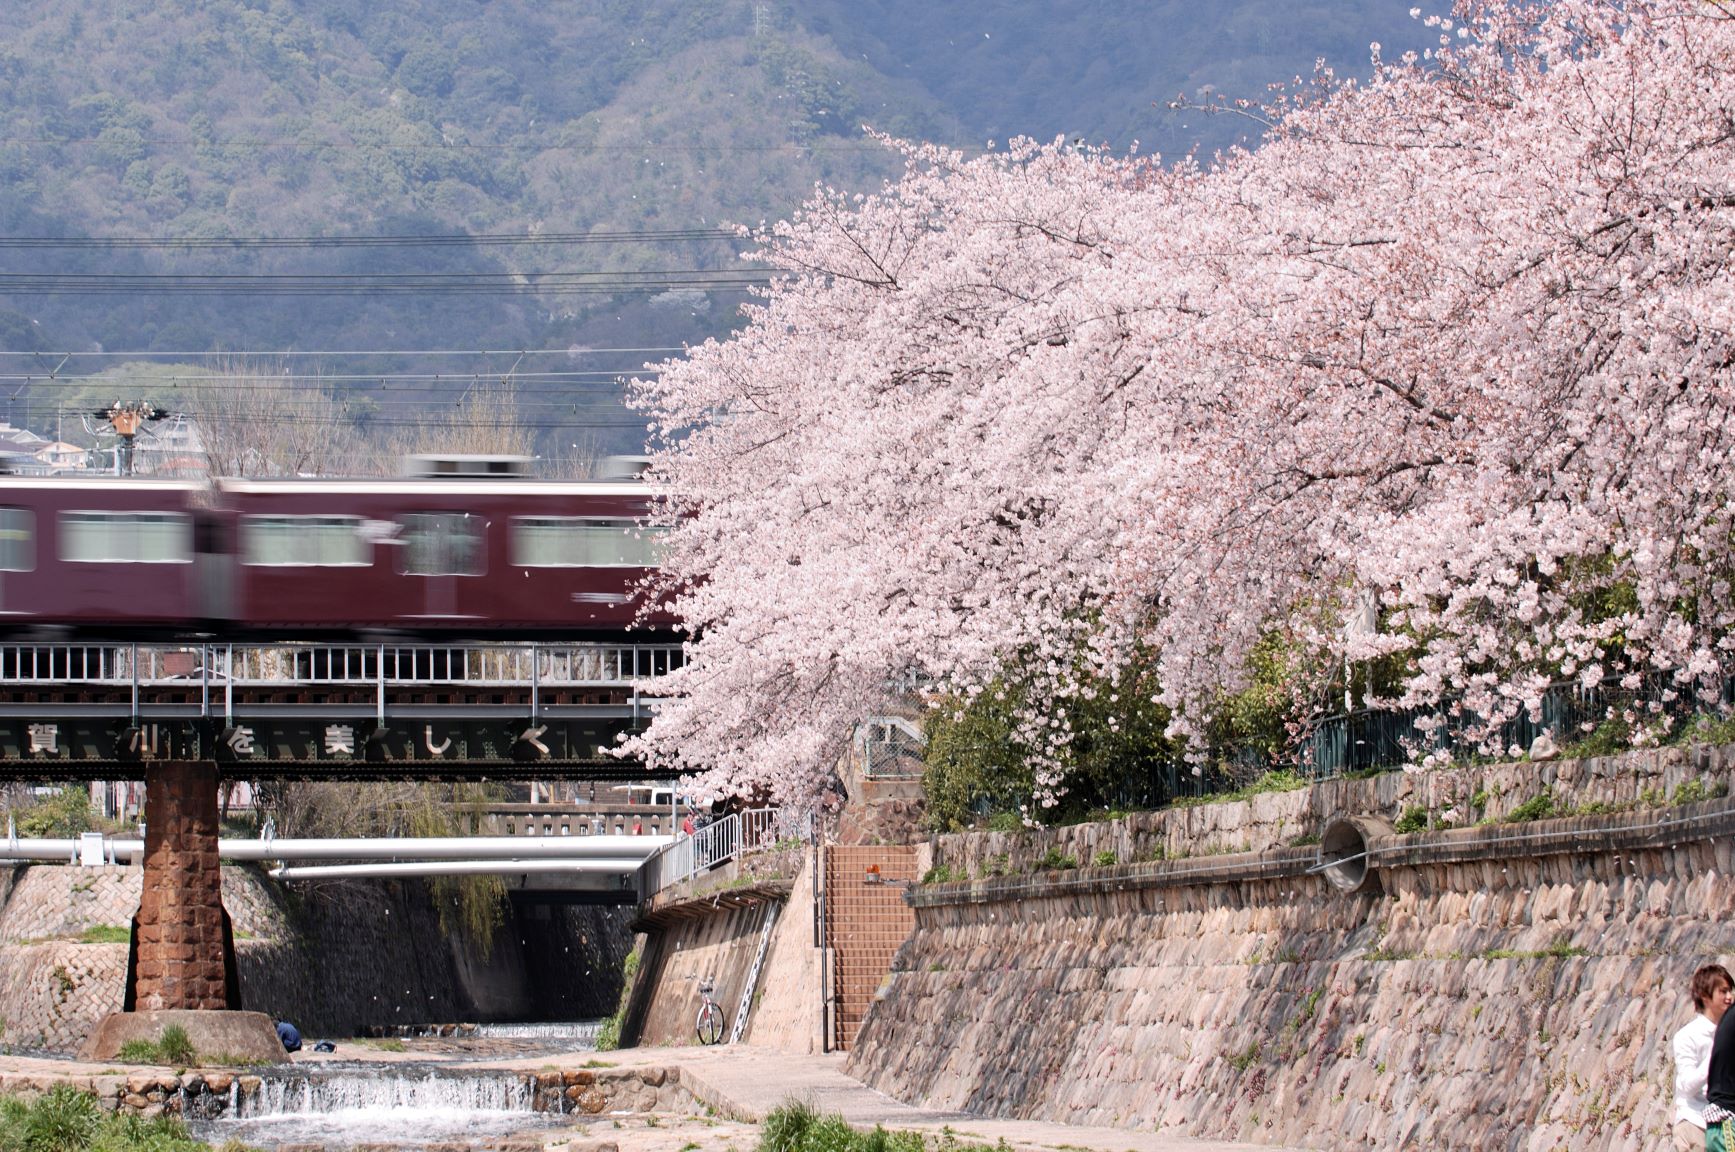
(332, 957)
(1636, 780)
(1490, 991)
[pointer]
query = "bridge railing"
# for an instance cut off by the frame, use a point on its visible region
(725, 839)
(360, 665)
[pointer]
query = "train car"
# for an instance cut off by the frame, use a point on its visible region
(464, 556)
(105, 554)
(501, 557)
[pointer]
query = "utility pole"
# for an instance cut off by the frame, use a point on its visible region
(126, 419)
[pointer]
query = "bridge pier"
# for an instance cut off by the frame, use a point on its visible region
(182, 969)
(181, 959)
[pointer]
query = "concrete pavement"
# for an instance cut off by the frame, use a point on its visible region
(744, 1083)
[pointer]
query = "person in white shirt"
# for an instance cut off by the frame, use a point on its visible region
(1713, 991)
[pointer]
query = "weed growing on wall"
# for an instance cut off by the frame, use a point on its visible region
(608, 1037)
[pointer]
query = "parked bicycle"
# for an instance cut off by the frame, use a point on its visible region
(710, 1022)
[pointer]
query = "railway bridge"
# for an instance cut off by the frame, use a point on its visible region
(188, 717)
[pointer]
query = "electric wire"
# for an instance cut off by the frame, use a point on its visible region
(394, 240)
(269, 354)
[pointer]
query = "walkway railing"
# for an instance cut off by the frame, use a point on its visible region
(722, 840)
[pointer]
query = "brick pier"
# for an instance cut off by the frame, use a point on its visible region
(180, 926)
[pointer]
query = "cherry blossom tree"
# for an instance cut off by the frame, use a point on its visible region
(1453, 344)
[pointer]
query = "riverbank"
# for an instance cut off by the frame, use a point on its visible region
(728, 1090)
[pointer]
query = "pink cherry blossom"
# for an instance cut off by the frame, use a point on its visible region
(1457, 340)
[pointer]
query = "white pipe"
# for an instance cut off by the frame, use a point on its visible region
(635, 848)
(447, 848)
(458, 868)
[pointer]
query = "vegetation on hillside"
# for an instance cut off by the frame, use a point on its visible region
(237, 119)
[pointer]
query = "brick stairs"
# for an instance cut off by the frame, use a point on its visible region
(866, 922)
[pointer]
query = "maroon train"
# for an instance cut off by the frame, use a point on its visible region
(460, 557)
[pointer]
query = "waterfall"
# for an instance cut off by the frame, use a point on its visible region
(402, 1106)
(581, 1033)
(377, 1091)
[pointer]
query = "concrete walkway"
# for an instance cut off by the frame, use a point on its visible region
(744, 1083)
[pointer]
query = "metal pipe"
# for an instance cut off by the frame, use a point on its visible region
(633, 848)
(456, 868)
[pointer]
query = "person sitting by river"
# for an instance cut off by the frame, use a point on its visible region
(1712, 989)
(289, 1035)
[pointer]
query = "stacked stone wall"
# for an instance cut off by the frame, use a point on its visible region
(1505, 986)
(332, 957)
(1454, 797)
(54, 990)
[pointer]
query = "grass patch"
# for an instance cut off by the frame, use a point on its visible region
(389, 1044)
(1276, 780)
(797, 1127)
(1105, 859)
(1558, 950)
(1244, 1059)
(173, 1048)
(67, 1120)
(105, 934)
(944, 874)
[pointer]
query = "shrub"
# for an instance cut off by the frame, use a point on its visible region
(1694, 791)
(1106, 859)
(1538, 807)
(1054, 860)
(1414, 819)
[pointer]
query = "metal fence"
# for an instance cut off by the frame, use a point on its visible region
(1371, 740)
(890, 748)
(722, 840)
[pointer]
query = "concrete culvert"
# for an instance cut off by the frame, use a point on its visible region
(1343, 850)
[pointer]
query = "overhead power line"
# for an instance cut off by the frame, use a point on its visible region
(443, 240)
(388, 284)
(285, 353)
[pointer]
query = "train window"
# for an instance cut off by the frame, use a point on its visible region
(443, 544)
(126, 538)
(584, 542)
(323, 541)
(17, 540)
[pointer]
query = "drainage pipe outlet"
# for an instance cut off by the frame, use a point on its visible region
(1344, 850)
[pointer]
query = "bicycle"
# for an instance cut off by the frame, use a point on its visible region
(710, 1021)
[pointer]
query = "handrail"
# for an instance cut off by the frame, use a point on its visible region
(717, 843)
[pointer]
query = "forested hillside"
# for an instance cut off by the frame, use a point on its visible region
(320, 118)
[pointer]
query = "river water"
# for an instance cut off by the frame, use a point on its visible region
(420, 1101)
